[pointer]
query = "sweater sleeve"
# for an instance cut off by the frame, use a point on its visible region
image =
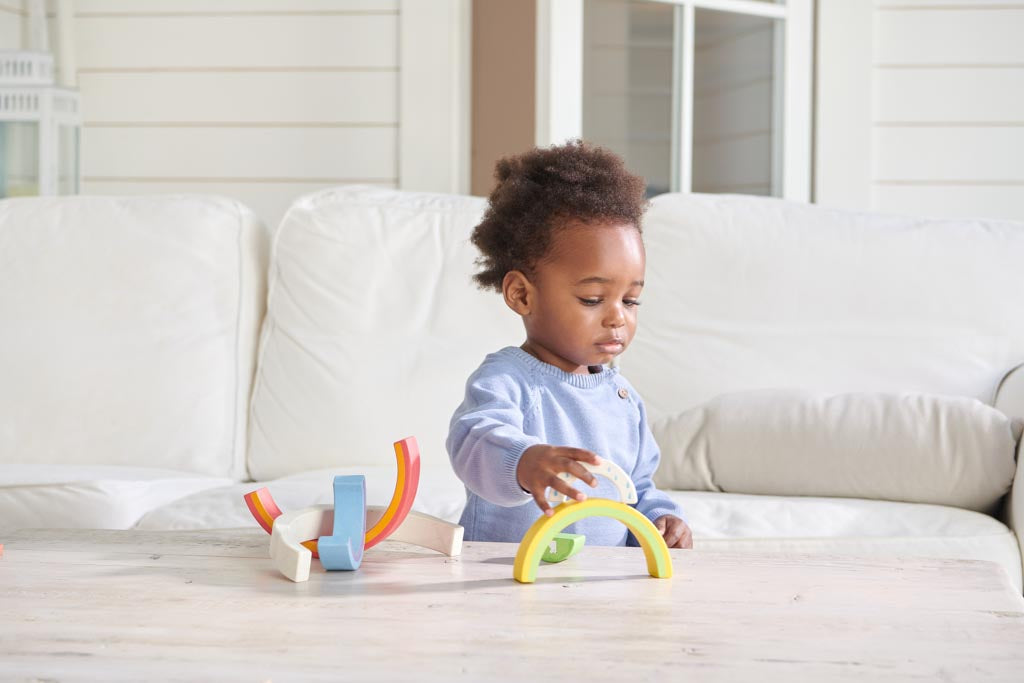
(651, 502)
(486, 439)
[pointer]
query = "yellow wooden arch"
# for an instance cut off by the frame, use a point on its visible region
(538, 537)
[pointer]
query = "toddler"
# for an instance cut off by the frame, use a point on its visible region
(561, 242)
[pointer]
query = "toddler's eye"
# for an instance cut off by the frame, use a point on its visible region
(588, 302)
(631, 302)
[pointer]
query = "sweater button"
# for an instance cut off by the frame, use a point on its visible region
(623, 393)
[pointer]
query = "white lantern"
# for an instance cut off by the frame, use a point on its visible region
(40, 127)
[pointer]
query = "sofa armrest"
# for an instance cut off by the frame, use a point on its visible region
(1009, 399)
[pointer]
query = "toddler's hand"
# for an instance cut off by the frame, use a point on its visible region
(540, 466)
(674, 531)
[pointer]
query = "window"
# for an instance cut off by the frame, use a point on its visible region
(696, 95)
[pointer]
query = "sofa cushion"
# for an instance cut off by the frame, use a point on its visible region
(89, 496)
(750, 293)
(373, 325)
(916, 448)
(129, 331)
(846, 526)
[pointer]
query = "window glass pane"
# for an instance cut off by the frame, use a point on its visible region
(737, 126)
(19, 160)
(627, 84)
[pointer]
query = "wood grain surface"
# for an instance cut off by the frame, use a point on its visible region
(208, 605)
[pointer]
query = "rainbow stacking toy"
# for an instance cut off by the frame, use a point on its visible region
(330, 533)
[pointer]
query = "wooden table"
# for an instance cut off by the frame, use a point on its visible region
(126, 605)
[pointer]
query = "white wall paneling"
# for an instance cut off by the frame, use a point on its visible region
(949, 154)
(921, 107)
(331, 154)
(350, 98)
(261, 100)
(434, 97)
(12, 24)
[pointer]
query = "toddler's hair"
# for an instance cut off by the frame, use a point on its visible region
(543, 189)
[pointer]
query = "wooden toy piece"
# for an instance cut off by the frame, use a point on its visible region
(566, 545)
(292, 557)
(287, 552)
(262, 506)
(407, 452)
(607, 469)
(425, 531)
(343, 548)
(537, 537)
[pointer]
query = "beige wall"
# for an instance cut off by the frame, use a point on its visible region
(503, 85)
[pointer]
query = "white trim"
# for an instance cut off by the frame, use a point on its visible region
(798, 122)
(685, 141)
(778, 108)
(433, 93)
(748, 7)
(842, 147)
(559, 75)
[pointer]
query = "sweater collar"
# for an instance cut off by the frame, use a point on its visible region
(582, 381)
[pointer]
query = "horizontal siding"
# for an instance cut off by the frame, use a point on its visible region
(948, 108)
(951, 201)
(928, 36)
(261, 100)
(269, 200)
(11, 19)
(971, 154)
(223, 41)
(151, 7)
(161, 152)
(303, 97)
(980, 95)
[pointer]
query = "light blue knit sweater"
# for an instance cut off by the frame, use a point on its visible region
(514, 401)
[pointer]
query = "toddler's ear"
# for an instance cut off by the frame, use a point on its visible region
(518, 292)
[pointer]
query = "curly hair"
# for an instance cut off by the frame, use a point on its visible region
(543, 189)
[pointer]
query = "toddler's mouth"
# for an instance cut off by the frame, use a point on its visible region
(610, 345)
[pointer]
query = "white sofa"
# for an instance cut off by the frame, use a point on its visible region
(162, 356)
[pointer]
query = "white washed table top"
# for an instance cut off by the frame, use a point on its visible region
(133, 605)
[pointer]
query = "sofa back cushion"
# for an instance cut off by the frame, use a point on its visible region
(749, 293)
(129, 329)
(373, 326)
(914, 448)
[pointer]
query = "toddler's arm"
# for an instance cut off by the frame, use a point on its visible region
(651, 502)
(486, 439)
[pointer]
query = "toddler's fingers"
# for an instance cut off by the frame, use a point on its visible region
(560, 485)
(542, 503)
(583, 455)
(673, 534)
(659, 524)
(580, 472)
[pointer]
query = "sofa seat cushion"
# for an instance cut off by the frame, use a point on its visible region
(89, 496)
(440, 494)
(846, 526)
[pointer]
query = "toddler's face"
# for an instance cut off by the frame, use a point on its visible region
(582, 301)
